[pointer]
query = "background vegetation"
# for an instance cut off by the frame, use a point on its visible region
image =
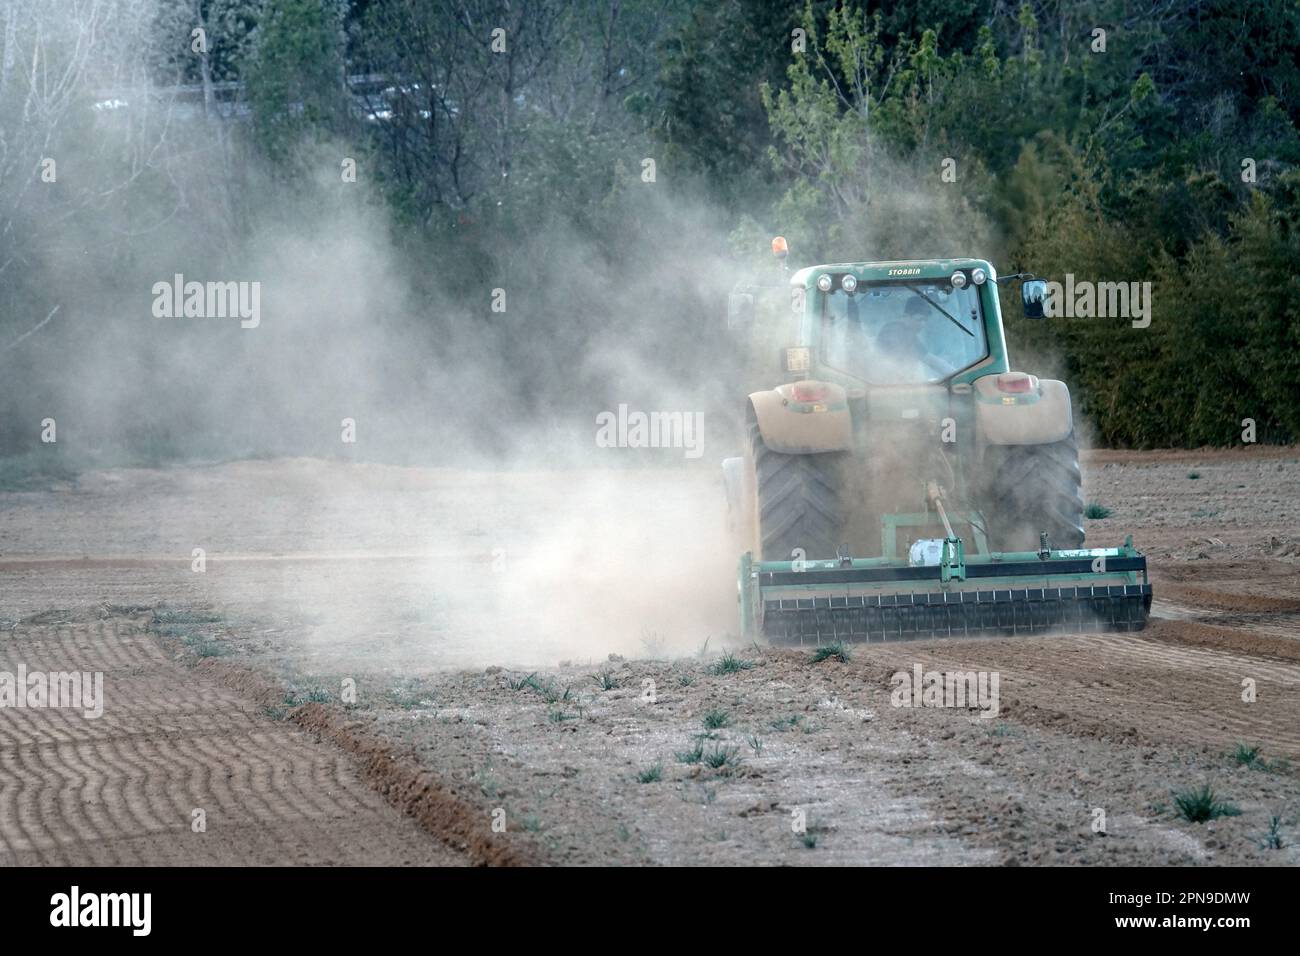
(1169, 156)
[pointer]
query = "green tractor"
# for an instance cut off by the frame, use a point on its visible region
(903, 481)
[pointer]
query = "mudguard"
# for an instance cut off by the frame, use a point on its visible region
(794, 427)
(1039, 416)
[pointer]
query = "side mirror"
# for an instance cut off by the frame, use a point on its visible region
(1033, 296)
(740, 310)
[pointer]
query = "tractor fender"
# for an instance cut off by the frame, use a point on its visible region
(1039, 416)
(794, 427)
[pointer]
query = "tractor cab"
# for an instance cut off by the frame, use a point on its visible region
(901, 323)
(900, 333)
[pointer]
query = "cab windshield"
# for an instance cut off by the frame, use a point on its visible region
(902, 333)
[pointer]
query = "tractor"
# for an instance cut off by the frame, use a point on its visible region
(903, 480)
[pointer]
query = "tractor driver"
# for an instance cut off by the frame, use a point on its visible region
(901, 343)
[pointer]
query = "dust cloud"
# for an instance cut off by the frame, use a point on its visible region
(448, 392)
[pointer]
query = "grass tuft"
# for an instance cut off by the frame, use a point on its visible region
(651, 774)
(1199, 806)
(1095, 511)
(717, 719)
(653, 643)
(835, 651)
(720, 757)
(1272, 840)
(311, 697)
(1252, 757)
(728, 663)
(1246, 756)
(553, 695)
(525, 683)
(694, 755)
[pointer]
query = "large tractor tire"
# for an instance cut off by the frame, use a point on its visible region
(1032, 489)
(798, 501)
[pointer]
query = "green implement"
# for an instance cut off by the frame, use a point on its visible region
(879, 599)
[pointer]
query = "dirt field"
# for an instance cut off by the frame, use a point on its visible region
(176, 770)
(418, 654)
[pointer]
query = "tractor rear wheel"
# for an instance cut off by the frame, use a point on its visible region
(1034, 488)
(798, 501)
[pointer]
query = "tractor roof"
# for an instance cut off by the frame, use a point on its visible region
(901, 269)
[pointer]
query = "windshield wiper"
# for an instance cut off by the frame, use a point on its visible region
(942, 311)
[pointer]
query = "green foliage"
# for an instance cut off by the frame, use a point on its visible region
(1171, 158)
(716, 718)
(524, 683)
(694, 755)
(1252, 757)
(711, 116)
(720, 757)
(1246, 756)
(294, 74)
(1094, 169)
(1200, 806)
(1273, 838)
(729, 663)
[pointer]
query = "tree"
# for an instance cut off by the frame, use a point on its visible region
(294, 74)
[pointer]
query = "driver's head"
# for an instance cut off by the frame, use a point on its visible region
(903, 335)
(917, 307)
